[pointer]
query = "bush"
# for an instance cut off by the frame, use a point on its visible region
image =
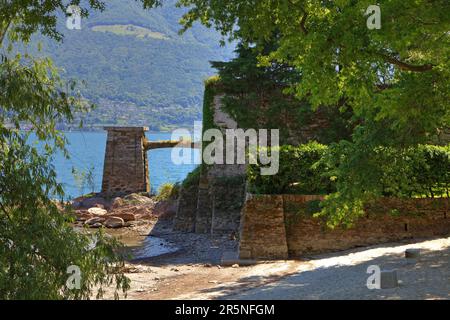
(298, 173)
(193, 178)
(168, 191)
(422, 171)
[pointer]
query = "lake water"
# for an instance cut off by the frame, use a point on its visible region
(87, 149)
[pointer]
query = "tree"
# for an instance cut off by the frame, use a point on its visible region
(255, 97)
(396, 79)
(39, 249)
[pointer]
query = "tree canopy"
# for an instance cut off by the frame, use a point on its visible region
(396, 78)
(39, 249)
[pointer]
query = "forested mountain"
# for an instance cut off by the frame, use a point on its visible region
(137, 69)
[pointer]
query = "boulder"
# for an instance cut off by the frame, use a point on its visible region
(91, 202)
(165, 210)
(114, 222)
(140, 212)
(94, 220)
(117, 203)
(83, 216)
(97, 211)
(136, 199)
(126, 216)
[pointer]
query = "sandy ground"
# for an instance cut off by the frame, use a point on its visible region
(344, 275)
(194, 272)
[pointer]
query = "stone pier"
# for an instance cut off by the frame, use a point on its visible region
(126, 164)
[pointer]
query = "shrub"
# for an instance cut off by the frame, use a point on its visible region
(416, 172)
(168, 191)
(193, 178)
(422, 171)
(298, 173)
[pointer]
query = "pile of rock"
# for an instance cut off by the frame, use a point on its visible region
(98, 212)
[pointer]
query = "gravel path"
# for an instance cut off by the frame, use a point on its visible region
(344, 275)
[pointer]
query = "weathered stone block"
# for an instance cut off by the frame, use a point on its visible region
(187, 209)
(125, 168)
(262, 230)
(388, 279)
(412, 253)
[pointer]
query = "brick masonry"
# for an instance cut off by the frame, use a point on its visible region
(125, 168)
(280, 226)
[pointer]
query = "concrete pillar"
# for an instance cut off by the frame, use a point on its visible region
(125, 169)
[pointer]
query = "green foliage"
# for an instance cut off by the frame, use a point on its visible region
(168, 191)
(313, 168)
(84, 179)
(37, 242)
(211, 90)
(150, 76)
(193, 178)
(415, 172)
(421, 171)
(396, 80)
(298, 172)
(256, 97)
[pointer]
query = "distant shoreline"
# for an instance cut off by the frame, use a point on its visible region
(87, 129)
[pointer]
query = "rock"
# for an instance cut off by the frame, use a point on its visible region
(114, 222)
(140, 212)
(235, 266)
(125, 216)
(135, 199)
(165, 210)
(90, 202)
(117, 203)
(96, 225)
(77, 203)
(95, 202)
(94, 220)
(412, 253)
(83, 216)
(97, 211)
(389, 279)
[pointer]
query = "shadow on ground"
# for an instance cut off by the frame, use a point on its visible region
(344, 276)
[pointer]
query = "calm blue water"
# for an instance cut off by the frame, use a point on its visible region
(87, 149)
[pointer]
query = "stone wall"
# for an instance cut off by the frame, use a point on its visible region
(262, 231)
(126, 165)
(280, 226)
(187, 207)
(214, 205)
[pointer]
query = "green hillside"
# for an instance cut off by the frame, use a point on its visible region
(137, 69)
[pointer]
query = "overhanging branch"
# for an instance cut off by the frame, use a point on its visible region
(406, 66)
